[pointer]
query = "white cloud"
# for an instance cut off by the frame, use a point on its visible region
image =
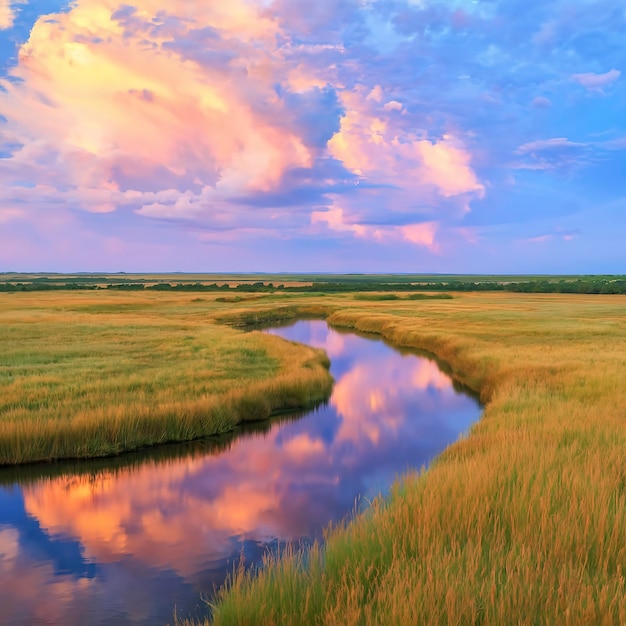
(393, 105)
(548, 144)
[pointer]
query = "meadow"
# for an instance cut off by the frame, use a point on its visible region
(98, 373)
(521, 522)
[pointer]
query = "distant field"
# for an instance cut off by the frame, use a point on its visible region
(104, 280)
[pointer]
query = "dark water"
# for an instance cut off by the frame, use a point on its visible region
(124, 541)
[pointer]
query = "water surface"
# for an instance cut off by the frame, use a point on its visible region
(125, 540)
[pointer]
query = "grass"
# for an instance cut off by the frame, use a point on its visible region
(433, 296)
(94, 374)
(376, 297)
(379, 297)
(523, 521)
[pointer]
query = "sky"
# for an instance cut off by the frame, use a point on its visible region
(465, 136)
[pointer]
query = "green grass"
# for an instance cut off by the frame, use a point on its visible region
(98, 374)
(523, 521)
(376, 297)
(427, 296)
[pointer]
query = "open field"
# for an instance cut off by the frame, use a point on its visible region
(524, 521)
(98, 373)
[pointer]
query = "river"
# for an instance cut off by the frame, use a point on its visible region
(130, 540)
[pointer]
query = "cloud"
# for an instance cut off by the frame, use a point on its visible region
(125, 106)
(9, 215)
(556, 235)
(393, 105)
(557, 153)
(615, 144)
(225, 121)
(447, 166)
(422, 234)
(538, 239)
(7, 15)
(596, 82)
(253, 119)
(399, 166)
(555, 143)
(541, 102)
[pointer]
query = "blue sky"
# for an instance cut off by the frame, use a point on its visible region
(364, 135)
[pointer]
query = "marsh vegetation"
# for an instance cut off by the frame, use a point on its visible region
(95, 374)
(523, 521)
(172, 520)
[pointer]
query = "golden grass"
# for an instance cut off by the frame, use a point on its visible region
(522, 522)
(92, 374)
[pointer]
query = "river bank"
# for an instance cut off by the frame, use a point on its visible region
(524, 521)
(98, 374)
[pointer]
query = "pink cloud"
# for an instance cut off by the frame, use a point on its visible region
(393, 105)
(113, 112)
(447, 166)
(541, 102)
(302, 446)
(8, 215)
(37, 237)
(120, 105)
(335, 219)
(376, 94)
(557, 234)
(470, 234)
(372, 143)
(597, 82)
(421, 234)
(7, 14)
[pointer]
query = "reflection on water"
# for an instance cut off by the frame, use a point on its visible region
(124, 541)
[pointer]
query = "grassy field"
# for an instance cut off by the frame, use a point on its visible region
(522, 522)
(97, 373)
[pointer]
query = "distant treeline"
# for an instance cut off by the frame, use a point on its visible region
(35, 286)
(535, 286)
(589, 285)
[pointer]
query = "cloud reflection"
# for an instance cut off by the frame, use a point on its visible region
(387, 412)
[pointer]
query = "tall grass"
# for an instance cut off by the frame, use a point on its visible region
(523, 521)
(98, 374)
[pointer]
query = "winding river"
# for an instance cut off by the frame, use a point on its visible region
(130, 540)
